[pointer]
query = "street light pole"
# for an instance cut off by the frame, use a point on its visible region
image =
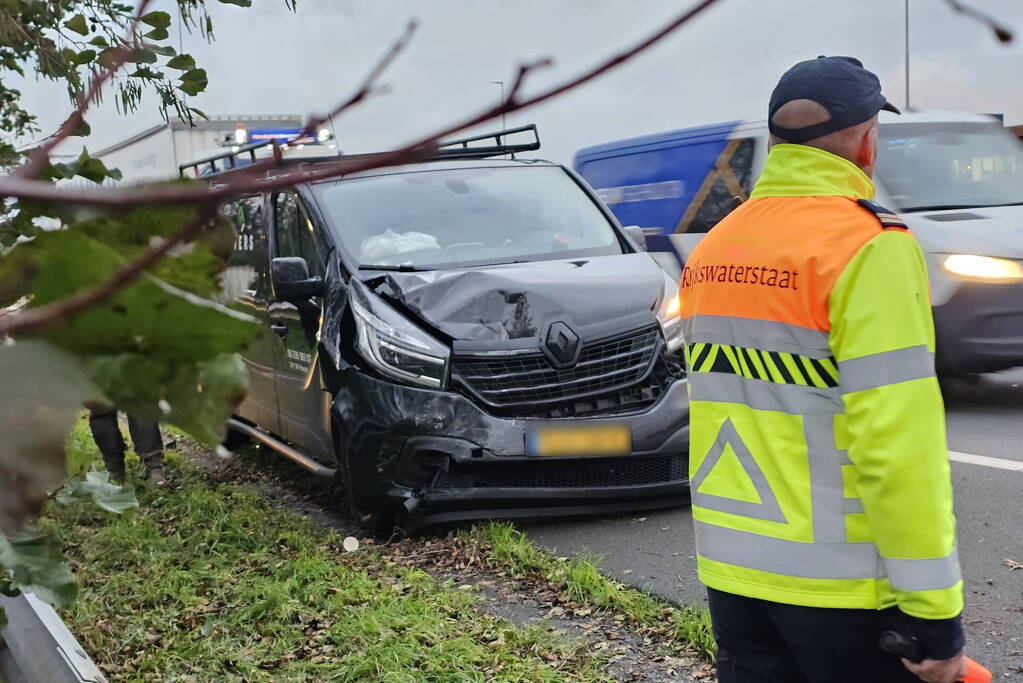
(907, 55)
(504, 123)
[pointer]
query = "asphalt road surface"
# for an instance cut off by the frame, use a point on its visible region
(654, 550)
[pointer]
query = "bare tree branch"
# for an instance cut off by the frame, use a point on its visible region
(244, 181)
(1003, 33)
(369, 84)
(34, 318)
(40, 156)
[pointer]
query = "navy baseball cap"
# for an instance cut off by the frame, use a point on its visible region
(841, 85)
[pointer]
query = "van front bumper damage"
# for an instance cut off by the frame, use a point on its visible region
(435, 456)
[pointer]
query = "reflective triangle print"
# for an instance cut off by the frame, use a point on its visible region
(767, 509)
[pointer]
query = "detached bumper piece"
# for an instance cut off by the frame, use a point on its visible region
(537, 487)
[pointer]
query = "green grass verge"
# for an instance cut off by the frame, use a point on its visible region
(209, 581)
(580, 579)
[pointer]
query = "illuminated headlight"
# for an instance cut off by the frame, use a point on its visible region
(407, 355)
(986, 268)
(669, 316)
(323, 135)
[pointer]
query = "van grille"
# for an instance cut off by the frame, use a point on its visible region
(523, 383)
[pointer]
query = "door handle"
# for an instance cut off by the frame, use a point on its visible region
(280, 328)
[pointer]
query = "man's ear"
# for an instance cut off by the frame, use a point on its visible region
(866, 155)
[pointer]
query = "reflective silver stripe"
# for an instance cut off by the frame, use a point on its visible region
(826, 493)
(853, 506)
(757, 334)
(768, 507)
(794, 399)
(790, 558)
(924, 575)
(888, 367)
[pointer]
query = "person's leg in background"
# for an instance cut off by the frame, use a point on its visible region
(750, 648)
(145, 436)
(108, 438)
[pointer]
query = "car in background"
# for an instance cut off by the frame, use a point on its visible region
(468, 337)
(955, 179)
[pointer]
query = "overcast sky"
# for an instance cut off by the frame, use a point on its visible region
(720, 67)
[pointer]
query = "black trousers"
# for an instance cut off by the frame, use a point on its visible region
(145, 436)
(769, 642)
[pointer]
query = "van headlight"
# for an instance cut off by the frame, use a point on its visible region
(987, 268)
(669, 315)
(396, 348)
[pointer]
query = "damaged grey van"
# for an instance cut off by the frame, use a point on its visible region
(469, 337)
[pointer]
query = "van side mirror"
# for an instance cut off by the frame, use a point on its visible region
(291, 281)
(636, 234)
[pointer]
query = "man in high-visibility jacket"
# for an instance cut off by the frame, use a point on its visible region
(819, 470)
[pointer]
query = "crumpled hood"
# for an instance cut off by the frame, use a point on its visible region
(517, 301)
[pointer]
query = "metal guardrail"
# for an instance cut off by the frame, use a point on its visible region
(36, 646)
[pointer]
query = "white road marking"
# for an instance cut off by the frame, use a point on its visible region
(987, 461)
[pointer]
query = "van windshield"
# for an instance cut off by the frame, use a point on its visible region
(466, 217)
(933, 166)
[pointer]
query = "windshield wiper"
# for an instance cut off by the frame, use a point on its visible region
(400, 268)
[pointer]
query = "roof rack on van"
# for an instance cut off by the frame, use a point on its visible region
(462, 148)
(231, 156)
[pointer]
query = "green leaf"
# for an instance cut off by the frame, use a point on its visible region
(99, 41)
(57, 172)
(105, 494)
(85, 56)
(193, 81)
(35, 562)
(82, 130)
(146, 72)
(183, 62)
(93, 169)
(144, 56)
(44, 389)
(157, 34)
(106, 57)
(165, 50)
(148, 316)
(69, 56)
(199, 112)
(198, 397)
(150, 345)
(239, 3)
(77, 24)
(156, 19)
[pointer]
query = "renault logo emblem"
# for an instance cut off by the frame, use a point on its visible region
(561, 345)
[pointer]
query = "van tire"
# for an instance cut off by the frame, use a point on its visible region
(376, 523)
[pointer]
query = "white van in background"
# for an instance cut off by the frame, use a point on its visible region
(955, 179)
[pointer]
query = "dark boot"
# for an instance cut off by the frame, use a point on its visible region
(154, 468)
(107, 434)
(148, 444)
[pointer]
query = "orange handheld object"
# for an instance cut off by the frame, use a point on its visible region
(975, 673)
(910, 649)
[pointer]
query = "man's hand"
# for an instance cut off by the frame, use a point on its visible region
(939, 670)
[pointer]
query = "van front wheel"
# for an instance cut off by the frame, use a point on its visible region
(377, 523)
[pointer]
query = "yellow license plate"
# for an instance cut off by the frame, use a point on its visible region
(603, 439)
